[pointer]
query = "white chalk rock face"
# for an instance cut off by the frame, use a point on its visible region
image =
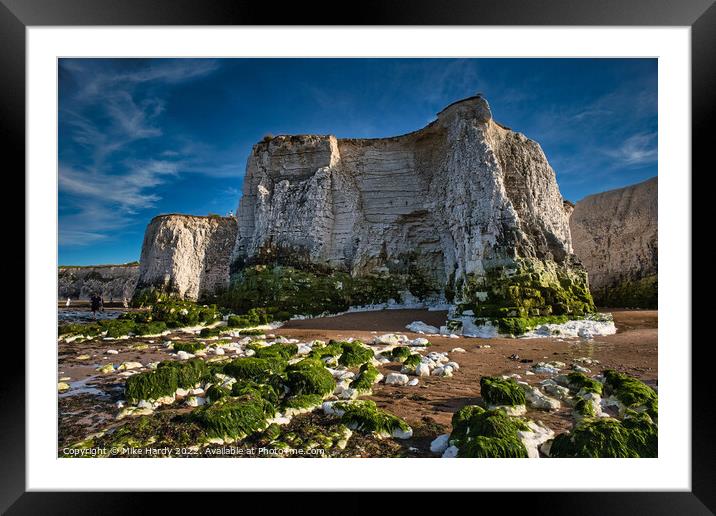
(615, 236)
(113, 282)
(456, 199)
(187, 255)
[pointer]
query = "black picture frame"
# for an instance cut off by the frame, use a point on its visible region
(17, 15)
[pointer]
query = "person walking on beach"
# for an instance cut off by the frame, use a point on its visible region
(68, 302)
(96, 301)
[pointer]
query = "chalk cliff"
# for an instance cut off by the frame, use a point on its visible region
(112, 282)
(187, 255)
(615, 235)
(467, 205)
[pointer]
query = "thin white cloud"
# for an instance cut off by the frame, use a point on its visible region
(639, 149)
(105, 116)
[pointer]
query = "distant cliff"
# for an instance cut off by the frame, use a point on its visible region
(112, 282)
(615, 235)
(187, 255)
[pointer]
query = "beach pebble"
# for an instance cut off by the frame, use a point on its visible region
(422, 369)
(413, 382)
(580, 369)
(126, 366)
(107, 368)
(440, 443)
(195, 401)
(183, 355)
(450, 452)
(112, 352)
(454, 365)
(219, 351)
(421, 327)
(397, 379)
(420, 341)
(62, 386)
(457, 350)
(399, 433)
(536, 399)
(349, 393)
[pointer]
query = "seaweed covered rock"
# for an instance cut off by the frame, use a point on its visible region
(501, 392)
(354, 353)
(631, 393)
(367, 376)
(635, 436)
(232, 418)
(487, 433)
(165, 380)
(252, 368)
(309, 377)
(366, 417)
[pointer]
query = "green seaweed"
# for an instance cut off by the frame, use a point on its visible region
(234, 417)
(581, 382)
(307, 377)
(632, 392)
(493, 447)
(398, 354)
(188, 347)
(251, 368)
(165, 380)
(501, 391)
(277, 350)
(303, 401)
(366, 377)
(636, 436)
(354, 354)
(487, 433)
(365, 416)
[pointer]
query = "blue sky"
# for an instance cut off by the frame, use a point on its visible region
(139, 137)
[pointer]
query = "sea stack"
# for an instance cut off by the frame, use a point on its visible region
(186, 255)
(465, 209)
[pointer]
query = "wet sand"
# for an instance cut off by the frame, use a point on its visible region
(633, 349)
(428, 407)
